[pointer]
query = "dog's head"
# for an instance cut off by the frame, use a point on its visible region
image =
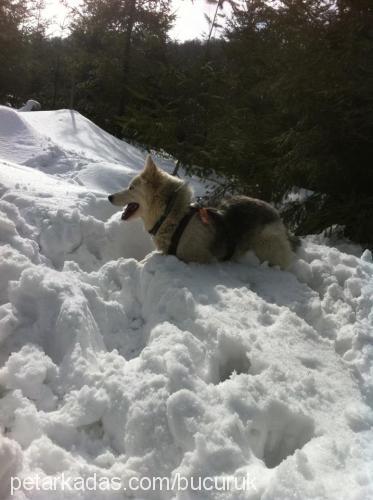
(146, 192)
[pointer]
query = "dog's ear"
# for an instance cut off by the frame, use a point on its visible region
(150, 168)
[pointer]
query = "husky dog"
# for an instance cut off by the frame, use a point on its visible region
(196, 234)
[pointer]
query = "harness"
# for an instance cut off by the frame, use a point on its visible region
(154, 230)
(180, 229)
(206, 214)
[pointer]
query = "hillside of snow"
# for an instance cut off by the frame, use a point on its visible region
(118, 362)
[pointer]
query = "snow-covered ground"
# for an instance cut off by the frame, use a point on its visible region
(118, 362)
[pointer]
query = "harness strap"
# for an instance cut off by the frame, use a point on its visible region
(180, 229)
(218, 219)
(154, 230)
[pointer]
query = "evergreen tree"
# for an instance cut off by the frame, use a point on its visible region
(325, 101)
(13, 15)
(116, 36)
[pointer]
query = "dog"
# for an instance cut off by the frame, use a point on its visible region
(204, 234)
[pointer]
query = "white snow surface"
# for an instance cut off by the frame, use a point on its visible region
(116, 361)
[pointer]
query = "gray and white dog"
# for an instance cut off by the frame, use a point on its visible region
(197, 234)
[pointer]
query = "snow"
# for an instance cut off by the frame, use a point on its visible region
(31, 105)
(116, 361)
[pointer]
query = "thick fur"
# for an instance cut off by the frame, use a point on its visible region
(248, 223)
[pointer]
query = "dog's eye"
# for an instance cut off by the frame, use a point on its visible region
(131, 188)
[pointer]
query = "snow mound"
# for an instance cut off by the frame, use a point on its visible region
(72, 131)
(119, 362)
(31, 105)
(63, 142)
(15, 130)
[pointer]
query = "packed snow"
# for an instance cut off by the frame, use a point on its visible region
(119, 362)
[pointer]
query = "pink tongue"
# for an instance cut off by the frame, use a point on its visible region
(129, 210)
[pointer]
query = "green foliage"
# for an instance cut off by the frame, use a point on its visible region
(327, 106)
(12, 15)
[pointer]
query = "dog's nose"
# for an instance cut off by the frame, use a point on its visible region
(110, 198)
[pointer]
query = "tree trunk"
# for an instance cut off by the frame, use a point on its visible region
(72, 90)
(176, 169)
(126, 61)
(56, 78)
(213, 21)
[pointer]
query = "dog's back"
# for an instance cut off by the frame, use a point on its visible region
(251, 224)
(244, 215)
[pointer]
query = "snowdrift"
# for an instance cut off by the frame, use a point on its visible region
(116, 361)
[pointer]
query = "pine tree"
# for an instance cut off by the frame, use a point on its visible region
(116, 34)
(326, 102)
(13, 15)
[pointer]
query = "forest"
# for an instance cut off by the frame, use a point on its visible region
(279, 105)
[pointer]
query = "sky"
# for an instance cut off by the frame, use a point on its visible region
(190, 22)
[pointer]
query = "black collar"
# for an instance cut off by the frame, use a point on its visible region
(154, 230)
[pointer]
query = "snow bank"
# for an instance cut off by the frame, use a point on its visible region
(122, 363)
(31, 105)
(15, 130)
